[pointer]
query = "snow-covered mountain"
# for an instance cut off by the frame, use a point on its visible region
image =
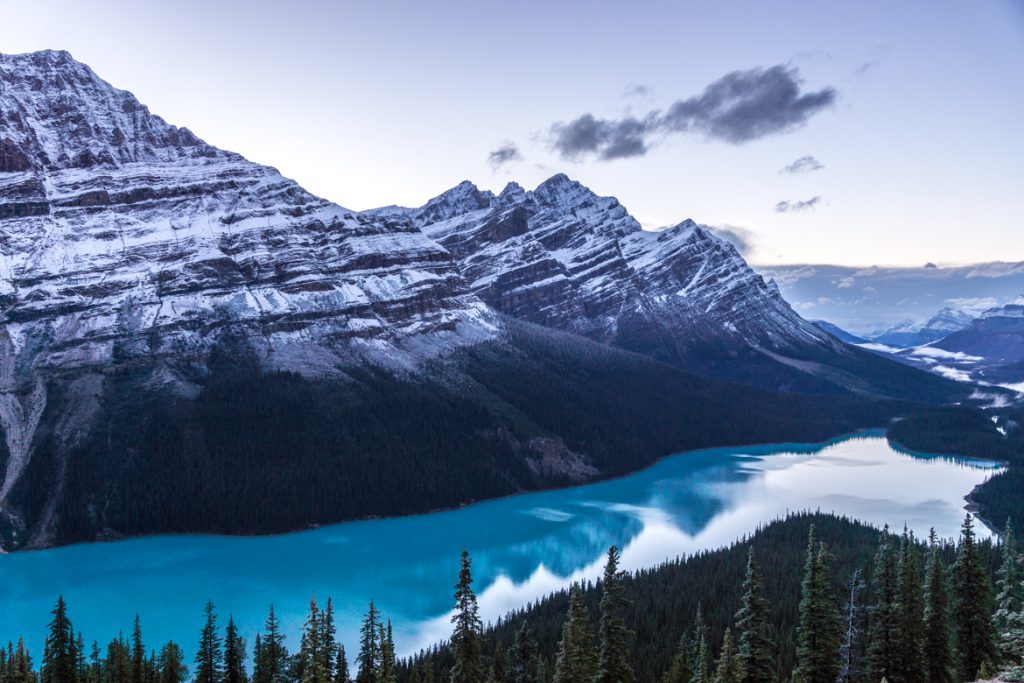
(917, 333)
(996, 339)
(116, 223)
(187, 335)
(564, 257)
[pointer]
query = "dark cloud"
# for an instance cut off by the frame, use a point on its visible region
(800, 205)
(737, 108)
(505, 154)
(805, 164)
(741, 238)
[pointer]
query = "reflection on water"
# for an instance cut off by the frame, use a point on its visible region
(523, 547)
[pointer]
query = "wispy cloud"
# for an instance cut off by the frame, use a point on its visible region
(805, 164)
(737, 108)
(788, 206)
(974, 305)
(507, 153)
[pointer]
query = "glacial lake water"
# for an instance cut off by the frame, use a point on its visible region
(523, 547)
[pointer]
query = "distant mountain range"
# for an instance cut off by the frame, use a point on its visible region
(192, 342)
(912, 333)
(869, 301)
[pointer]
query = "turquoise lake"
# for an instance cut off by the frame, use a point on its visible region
(523, 546)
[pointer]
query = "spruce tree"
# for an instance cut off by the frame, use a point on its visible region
(209, 658)
(1009, 616)
(756, 649)
(883, 634)
(171, 664)
(117, 667)
(270, 659)
(728, 669)
(310, 667)
(818, 634)
(523, 658)
(613, 662)
(388, 664)
(369, 647)
(21, 665)
(576, 661)
(681, 669)
(466, 637)
(499, 667)
(341, 674)
(138, 653)
(328, 647)
(234, 655)
(60, 654)
(937, 653)
(95, 667)
(972, 606)
(910, 666)
(700, 650)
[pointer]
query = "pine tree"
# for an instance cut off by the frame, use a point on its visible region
(576, 661)
(937, 654)
(171, 664)
(139, 664)
(756, 649)
(728, 669)
(466, 637)
(209, 658)
(972, 606)
(1009, 616)
(613, 663)
(910, 665)
(883, 635)
(341, 674)
(369, 648)
(234, 655)
(818, 635)
(60, 656)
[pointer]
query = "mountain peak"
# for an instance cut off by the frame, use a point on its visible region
(56, 113)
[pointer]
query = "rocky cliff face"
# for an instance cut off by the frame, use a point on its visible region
(563, 257)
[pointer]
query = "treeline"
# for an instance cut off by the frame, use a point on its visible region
(858, 605)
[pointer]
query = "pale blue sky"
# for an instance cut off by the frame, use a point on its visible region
(370, 103)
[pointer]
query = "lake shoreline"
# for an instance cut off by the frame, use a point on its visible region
(799, 446)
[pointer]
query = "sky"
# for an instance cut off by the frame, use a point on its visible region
(861, 133)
